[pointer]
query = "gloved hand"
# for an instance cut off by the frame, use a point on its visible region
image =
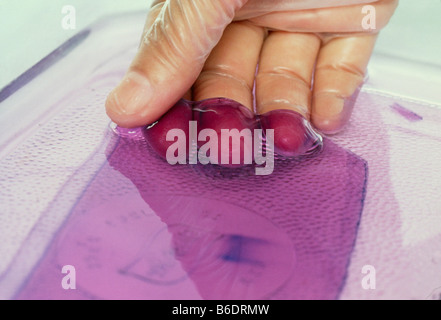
(312, 57)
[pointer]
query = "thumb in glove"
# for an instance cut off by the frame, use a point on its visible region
(178, 37)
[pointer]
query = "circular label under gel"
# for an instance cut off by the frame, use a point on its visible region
(228, 251)
(191, 245)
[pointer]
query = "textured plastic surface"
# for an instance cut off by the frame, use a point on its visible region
(145, 229)
(75, 193)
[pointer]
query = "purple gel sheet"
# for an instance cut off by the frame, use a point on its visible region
(144, 229)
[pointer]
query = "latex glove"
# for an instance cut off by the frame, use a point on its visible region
(180, 35)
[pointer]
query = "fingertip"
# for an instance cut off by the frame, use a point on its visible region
(119, 117)
(293, 134)
(331, 112)
(128, 103)
(328, 126)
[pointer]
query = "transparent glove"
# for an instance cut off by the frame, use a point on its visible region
(312, 57)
